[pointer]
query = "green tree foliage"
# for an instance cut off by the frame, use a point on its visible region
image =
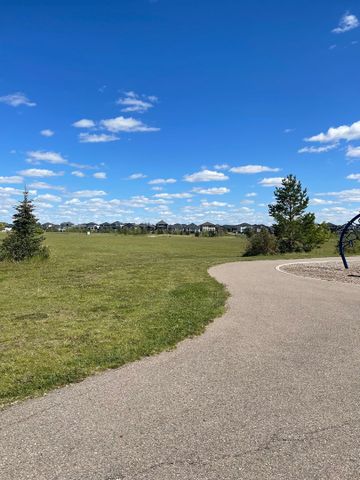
(25, 239)
(295, 229)
(261, 243)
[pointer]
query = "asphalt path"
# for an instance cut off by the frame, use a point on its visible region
(270, 391)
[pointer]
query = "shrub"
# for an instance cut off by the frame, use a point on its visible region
(261, 243)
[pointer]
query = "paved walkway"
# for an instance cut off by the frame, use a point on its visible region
(270, 391)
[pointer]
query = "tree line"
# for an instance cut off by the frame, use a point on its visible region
(294, 230)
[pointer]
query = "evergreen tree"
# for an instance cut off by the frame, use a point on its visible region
(25, 240)
(294, 228)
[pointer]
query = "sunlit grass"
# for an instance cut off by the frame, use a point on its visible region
(103, 300)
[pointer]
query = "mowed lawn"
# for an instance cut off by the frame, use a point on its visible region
(103, 300)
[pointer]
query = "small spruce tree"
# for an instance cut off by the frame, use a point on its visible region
(24, 241)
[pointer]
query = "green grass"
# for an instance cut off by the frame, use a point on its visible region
(103, 300)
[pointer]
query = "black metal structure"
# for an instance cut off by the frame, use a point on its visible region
(350, 234)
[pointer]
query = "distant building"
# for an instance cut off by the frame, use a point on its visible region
(161, 226)
(208, 227)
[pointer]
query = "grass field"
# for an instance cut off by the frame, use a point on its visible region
(103, 300)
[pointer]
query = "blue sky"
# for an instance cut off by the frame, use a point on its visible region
(138, 110)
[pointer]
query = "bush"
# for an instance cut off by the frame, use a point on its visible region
(261, 243)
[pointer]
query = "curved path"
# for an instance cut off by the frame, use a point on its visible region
(270, 391)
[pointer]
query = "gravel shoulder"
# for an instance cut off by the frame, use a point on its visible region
(329, 271)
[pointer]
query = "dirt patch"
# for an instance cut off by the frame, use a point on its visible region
(330, 271)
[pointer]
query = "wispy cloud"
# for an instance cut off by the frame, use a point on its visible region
(47, 132)
(160, 181)
(353, 152)
(251, 194)
(97, 138)
(289, 130)
(39, 172)
(205, 176)
(100, 175)
(17, 99)
(136, 176)
(126, 124)
(11, 180)
(47, 186)
(37, 156)
(132, 102)
(78, 174)
(249, 169)
(89, 193)
(84, 123)
(312, 149)
(48, 197)
(347, 22)
(173, 195)
(222, 166)
(354, 176)
(271, 182)
(335, 134)
(347, 196)
(211, 191)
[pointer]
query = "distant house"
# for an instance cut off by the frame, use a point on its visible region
(192, 228)
(208, 227)
(65, 226)
(161, 226)
(129, 226)
(92, 227)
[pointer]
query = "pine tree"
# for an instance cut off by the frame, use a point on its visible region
(294, 228)
(24, 241)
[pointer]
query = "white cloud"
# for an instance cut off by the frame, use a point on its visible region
(47, 186)
(271, 182)
(40, 172)
(84, 123)
(17, 99)
(289, 130)
(76, 173)
(47, 132)
(353, 152)
(136, 176)
(48, 197)
(50, 157)
(157, 189)
(211, 191)
(159, 181)
(97, 138)
(222, 166)
(172, 195)
(14, 179)
(214, 204)
(133, 102)
(129, 124)
(347, 22)
(335, 134)
(100, 175)
(348, 196)
(253, 169)
(205, 176)
(321, 201)
(251, 194)
(323, 149)
(354, 176)
(89, 193)
(6, 191)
